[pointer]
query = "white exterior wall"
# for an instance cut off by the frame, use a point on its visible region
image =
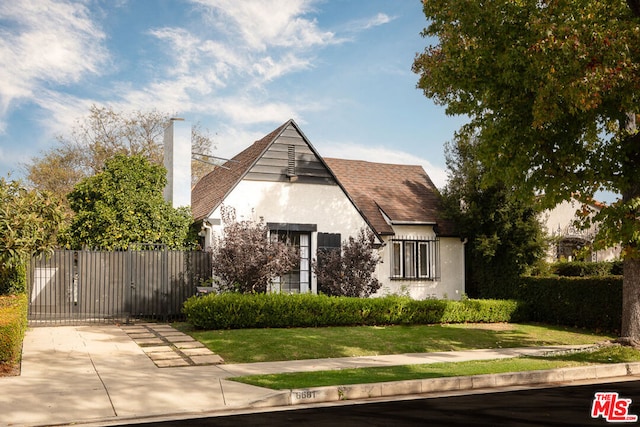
(452, 277)
(328, 207)
(561, 216)
(324, 205)
(558, 220)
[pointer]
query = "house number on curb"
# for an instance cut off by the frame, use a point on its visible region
(307, 394)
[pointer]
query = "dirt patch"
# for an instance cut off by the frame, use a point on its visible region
(9, 370)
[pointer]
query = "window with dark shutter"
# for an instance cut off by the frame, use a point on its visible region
(329, 241)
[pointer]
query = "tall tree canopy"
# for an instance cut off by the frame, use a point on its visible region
(30, 221)
(552, 88)
(123, 205)
(505, 238)
(102, 134)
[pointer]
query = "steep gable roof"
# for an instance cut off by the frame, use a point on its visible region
(403, 193)
(283, 155)
(211, 190)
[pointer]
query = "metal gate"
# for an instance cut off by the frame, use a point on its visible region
(100, 286)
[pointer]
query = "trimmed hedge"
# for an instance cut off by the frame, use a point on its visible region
(13, 325)
(237, 311)
(586, 302)
(586, 269)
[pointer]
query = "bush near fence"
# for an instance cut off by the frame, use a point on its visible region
(237, 311)
(13, 325)
(13, 280)
(585, 302)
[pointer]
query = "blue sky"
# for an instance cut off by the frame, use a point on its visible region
(340, 68)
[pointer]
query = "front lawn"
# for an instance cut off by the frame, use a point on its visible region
(298, 380)
(266, 345)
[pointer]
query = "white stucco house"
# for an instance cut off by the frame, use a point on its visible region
(319, 202)
(567, 239)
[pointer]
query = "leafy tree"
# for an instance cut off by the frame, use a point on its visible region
(30, 221)
(123, 205)
(505, 238)
(349, 272)
(552, 86)
(101, 135)
(245, 259)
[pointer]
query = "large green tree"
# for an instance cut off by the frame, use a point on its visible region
(124, 205)
(99, 136)
(553, 87)
(30, 221)
(504, 235)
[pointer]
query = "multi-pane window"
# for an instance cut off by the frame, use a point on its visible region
(298, 280)
(415, 259)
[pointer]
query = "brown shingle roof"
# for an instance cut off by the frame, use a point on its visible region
(404, 193)
(211, 190)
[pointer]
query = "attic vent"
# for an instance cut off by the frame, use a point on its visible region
(291, 161)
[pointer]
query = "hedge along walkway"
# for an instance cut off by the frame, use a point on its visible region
(168, 347)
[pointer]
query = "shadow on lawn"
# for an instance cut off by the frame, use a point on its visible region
(258, 345)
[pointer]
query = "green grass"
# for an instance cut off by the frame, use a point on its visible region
(266, 345)
(613, 354)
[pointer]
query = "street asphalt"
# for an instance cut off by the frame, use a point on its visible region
(109, 374)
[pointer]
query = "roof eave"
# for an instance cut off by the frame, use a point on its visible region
(412, 223)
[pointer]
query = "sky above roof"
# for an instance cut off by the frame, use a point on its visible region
(239, 69)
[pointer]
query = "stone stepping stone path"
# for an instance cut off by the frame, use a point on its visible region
(170, 348)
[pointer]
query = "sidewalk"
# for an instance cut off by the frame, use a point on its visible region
(84, 374)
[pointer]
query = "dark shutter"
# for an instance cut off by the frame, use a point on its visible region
(329, 241)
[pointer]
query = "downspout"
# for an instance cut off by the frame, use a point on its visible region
(206, 232)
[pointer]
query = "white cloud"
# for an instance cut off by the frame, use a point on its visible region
(270, 69)
(219, 68)
(268, 23)
(230, 140)
(61, 111)
(198, 66)
(184, 46)
(45, 42)
(244, 111)
(223, 66)
(374, 21)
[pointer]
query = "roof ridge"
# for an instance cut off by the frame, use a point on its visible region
(375, 163)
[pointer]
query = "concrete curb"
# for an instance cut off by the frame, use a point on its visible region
(433, 385)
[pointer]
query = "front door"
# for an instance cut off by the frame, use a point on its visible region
(298, 280)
